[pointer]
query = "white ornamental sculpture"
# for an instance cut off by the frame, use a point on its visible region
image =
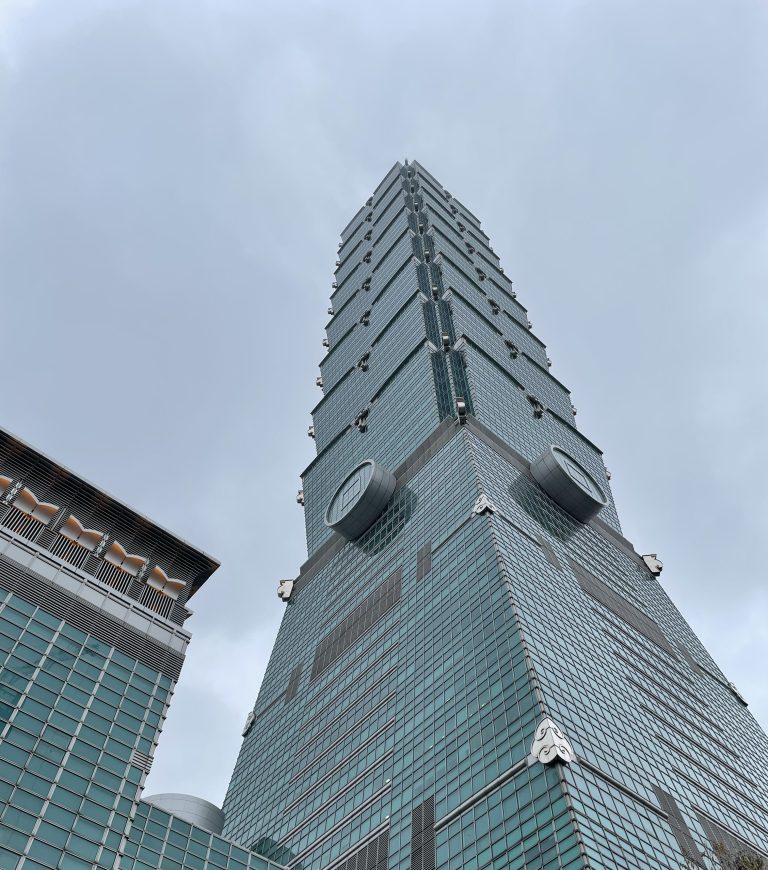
(483, 505)
(550, 744)
(284, 589)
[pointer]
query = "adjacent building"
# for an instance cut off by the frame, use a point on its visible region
(92, 609)
(475, 668)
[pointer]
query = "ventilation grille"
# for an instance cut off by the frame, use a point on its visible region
(423, 836)
(154, 600)
(362, 619)
(720, 838)
(22, 524)
(141, 760)
(680, 829)
(293, 684)
(372, 856)
(69, 551)
(620, 607)
(78, 613)
(114, 577)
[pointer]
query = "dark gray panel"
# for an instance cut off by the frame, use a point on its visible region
(293, 684)
(372, 856)
(720, 838)
(549, 553)
(423, 855)
(679, 828)
(424, 561)
(383, 598)
(619, 606)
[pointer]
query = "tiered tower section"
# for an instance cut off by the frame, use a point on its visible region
(423, 315)
(475, 668)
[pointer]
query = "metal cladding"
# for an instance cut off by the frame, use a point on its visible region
(192, 809)
(565, 481)
(359, 501)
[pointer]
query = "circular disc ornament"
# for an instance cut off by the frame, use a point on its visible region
(360, 500)
(568, 483)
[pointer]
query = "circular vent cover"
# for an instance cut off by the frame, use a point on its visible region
(360, 499)
(568, 483)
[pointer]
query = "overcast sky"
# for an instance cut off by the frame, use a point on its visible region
(173, 178)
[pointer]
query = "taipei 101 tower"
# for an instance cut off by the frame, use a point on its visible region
(475, 668)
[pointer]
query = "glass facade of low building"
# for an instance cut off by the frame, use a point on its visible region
(78, 714)
(92, 641)
(159, 840)
(488, 675)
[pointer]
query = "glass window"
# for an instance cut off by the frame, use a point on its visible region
(81, 847)
(56, 736)
(96, 812)
(14, 840)
(44, 853)
(84, 681)
(69, 862)
(87, 828)
(73, 633)
(13, 753)
(9, 772)
(19, 737)
(65, 798)
(26, 801)
(78, 766)
(21, 605)
(85, 750)
(46, 619)
(19, 819)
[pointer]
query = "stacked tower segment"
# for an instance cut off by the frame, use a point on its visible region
(475, 668)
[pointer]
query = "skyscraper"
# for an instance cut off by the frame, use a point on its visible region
(92, 639)
(475, 668)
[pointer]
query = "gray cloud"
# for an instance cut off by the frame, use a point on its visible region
(174, 178)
